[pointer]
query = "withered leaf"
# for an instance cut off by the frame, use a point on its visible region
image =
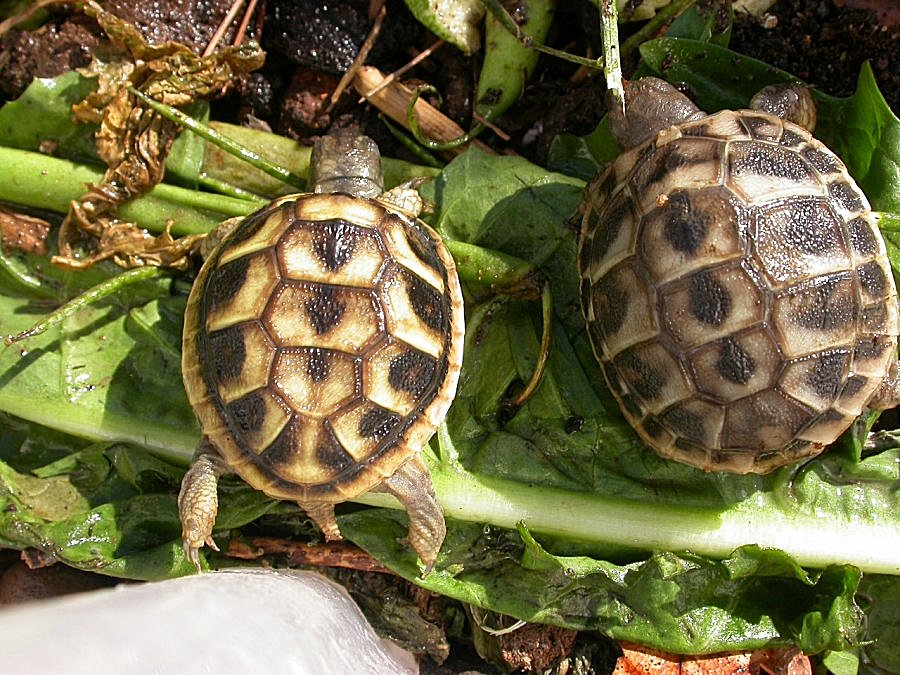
(638, 660)
(134, 141)
(23, 232)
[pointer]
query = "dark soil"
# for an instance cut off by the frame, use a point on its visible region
(310, 42)
(825, 45)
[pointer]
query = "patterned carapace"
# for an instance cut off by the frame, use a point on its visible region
(322, 345)
(321, 342)
(737, 292)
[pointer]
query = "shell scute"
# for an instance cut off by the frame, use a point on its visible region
(614, 240)
(710, 304)
(331, 252)
(239, 290)
(628, 305)
(258, 417)
(800, 238)
(723, 126)
(695, 422)
(690, 230)
(816, 380)
(656, 376)
(680, 163)
(816, 315)
(762, 127)
(737, 365)
(332, 317)
(760, 172)
(414, 310)
(766, 421)
(242, 358)
(315, 382)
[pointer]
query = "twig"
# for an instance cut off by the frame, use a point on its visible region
(26, 14)
(245, 21)
(416, 60)
(223, 27)
(502, 135)
(612, 65)
(360, 58)
(393, 100)
(330, 554)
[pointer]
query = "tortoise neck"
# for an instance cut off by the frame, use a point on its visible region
(346, 162)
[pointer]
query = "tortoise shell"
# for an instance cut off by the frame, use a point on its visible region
(737, 292)
(322, 344)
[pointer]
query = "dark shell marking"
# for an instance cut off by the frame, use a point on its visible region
(737, 292)
(324, 342)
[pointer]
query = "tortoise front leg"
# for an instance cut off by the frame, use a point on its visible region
(198, 501)
(888, 394)
(411, 485)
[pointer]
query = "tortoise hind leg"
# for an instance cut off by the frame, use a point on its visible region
(322, 514)
(198, 500)
(411, 485)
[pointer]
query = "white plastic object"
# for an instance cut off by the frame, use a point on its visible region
(247, 621)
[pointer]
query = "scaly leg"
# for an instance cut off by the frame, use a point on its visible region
(888, 394)
(411, 484)
(322, 514)
(198, 501)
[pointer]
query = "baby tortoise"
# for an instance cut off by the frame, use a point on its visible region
(736, 289)
(323, 340)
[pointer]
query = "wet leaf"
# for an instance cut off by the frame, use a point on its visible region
(456, 21)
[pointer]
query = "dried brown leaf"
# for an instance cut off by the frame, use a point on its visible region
(638, 660)
(535, 647)
(134, 142)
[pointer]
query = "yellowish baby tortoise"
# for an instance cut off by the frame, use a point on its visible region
(322, 348)
(736, 288)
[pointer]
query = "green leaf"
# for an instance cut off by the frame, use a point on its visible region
(85, 514)
(674, 601)
(188, 152)
(864, 132)
(480, 195)
(880, 598)
(582, 156)
(103, 507)
(83, 377)
(841, 663)
(43, 113)
(717, 78)
(710, 22)
(456, 21)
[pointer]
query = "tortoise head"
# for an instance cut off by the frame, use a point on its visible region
(651, 105)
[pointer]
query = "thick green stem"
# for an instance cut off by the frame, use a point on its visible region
(608, 521)
(612, 65)
(211, 135)
(102, 290)
(498, 270)
(39, 181)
